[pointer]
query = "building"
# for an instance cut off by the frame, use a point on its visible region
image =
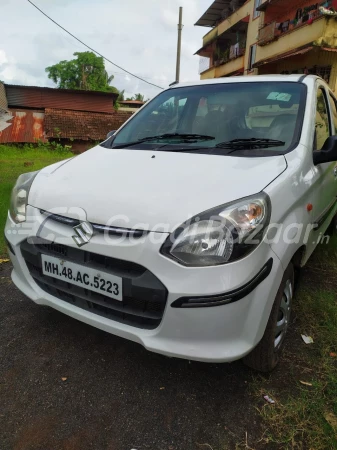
(269, 37)
(130, 105)
(74, 117)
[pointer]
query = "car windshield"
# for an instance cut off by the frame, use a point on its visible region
(246, 117)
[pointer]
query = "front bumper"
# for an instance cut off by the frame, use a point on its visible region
(214, 334)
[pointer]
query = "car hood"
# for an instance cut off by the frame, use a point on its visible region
(149, 190)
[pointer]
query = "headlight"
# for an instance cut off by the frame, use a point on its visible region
(19, 197)
(221, 235)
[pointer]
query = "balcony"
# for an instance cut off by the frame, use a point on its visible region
(232, 67)
(224, 24)
(233, 52)
(322, 32)
(273, 31)
(225, 62)
(210, 37)
(241, 14)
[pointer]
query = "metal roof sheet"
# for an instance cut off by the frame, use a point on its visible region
(215, 12)
(38, 98)
(25, 126)
(74, 91)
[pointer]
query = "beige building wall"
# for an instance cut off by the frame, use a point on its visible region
(252, 34)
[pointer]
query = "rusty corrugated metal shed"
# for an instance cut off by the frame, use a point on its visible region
(42, 97)
(26, 126)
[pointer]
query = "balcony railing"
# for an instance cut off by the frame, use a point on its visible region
(233, 52)
(204, 64)
(274, 30)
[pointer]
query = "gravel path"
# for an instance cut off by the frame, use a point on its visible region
(114, 395)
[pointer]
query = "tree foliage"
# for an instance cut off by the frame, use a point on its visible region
(121, 96)
(87, 72)
(138, 97)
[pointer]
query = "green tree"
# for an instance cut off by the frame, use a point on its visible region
(121, 96)
(87, 71)
(139, 97)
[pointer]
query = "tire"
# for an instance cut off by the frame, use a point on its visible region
(332, 229)
(266, 354)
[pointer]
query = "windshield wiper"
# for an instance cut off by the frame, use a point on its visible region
(182, 137)
(251, 144)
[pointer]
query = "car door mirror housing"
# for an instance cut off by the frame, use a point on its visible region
(111, 133)
(328, 152)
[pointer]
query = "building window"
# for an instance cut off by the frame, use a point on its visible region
(256, 5)
(252, 56)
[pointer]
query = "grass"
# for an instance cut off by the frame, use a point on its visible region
(305, 417)
(15, 160)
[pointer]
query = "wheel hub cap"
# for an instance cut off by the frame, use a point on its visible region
(283, 315)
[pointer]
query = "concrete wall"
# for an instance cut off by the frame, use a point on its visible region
(210, 36)
(208, 74)
(252, 34)
(231, 67)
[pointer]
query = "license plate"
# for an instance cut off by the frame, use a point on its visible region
(91, 279)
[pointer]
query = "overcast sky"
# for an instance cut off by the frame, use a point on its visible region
(139, 35)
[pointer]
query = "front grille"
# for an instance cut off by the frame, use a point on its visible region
(112, 231)
(144, 296)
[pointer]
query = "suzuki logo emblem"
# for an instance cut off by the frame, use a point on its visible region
(84, 232)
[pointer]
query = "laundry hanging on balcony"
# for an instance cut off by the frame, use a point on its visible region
(327, 12)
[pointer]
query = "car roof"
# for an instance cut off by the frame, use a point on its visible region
(249, 79)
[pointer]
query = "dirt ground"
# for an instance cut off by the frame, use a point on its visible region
(114, 395)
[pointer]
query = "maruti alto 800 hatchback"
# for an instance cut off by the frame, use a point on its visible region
(183, 230)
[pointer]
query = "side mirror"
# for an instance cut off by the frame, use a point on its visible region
(111, 133)
(328, 152)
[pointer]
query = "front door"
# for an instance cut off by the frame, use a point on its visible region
(325, 175)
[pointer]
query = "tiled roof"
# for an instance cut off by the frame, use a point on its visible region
(67, 124)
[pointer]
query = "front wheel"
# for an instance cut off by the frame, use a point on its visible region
(332, 229)
(266, 354)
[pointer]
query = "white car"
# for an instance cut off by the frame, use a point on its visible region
(184, 229)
